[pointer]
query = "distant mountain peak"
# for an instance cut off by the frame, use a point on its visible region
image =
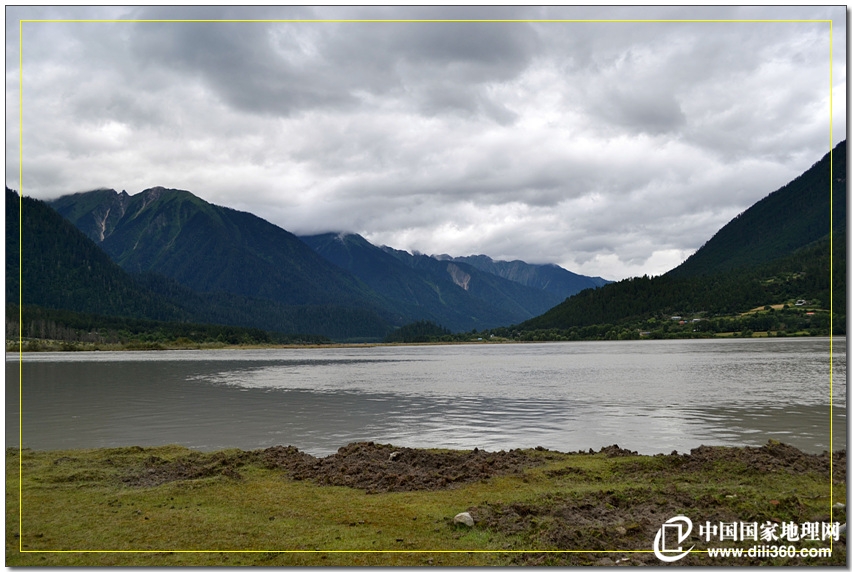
(548, 277)
(210, 248)
(457, 292)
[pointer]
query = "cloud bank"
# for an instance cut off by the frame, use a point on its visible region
(610, 148)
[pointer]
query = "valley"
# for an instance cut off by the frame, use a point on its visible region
(165, 256)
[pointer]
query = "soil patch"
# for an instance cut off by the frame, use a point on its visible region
(629, 519)
(156, 471)
(369, 466)
(385, 468)
(623, 521)
(770, 458)
(598, 521)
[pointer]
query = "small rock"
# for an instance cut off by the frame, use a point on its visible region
(839, 505)
(394, 455)
(464, 518)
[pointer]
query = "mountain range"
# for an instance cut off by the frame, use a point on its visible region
(165, 254)
(188, 259)
(451, 292)
(548, 277)
(64, 270)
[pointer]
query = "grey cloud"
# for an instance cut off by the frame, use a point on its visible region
(602, 145)
(212, 12)
(444, 96)
(661, 77)
(476, 52)
(641, 110)
(289, 67)
(440, 67)
(241, 64)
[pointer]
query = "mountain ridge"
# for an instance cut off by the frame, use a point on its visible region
(65, 270)
(767, 231)
(452, 294)
(548, 277)
(209, 248)
(216, 251)
(62, 269)
(795, 264)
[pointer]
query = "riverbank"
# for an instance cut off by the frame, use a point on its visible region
(373, 504)
(35, 346)
(45, 345)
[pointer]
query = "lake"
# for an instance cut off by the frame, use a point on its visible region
(649, 396)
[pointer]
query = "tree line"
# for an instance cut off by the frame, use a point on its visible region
(75, 330)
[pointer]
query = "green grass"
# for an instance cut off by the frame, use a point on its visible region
(78, 510)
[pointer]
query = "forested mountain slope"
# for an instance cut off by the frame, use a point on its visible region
(209, 248)
(792, 217)
(452, 294)
(63, 269)
(802, 275)
(789, 260)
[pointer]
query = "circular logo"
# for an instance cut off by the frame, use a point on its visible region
(668, 544)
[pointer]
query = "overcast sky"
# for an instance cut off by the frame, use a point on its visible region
(613, 149)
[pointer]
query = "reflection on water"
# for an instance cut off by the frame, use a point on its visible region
(648, 396)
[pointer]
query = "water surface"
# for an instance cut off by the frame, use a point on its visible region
(650, 396)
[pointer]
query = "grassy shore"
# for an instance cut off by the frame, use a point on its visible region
(382, 505)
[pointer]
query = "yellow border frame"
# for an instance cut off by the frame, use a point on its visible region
(397, 21)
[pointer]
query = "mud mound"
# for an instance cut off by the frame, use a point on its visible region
(285, 458)
(385, 468)
(375, 468)
(616, 451)
(157, 471)
(772, 457)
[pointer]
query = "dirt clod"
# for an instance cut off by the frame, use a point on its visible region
(616, 451)
(385, 468)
